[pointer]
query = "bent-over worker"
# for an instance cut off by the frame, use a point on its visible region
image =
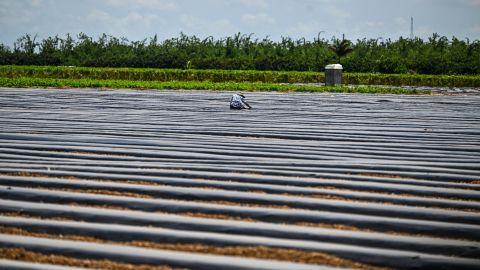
(237, 102)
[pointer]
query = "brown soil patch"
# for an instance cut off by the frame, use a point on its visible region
(407, 178)
(331, 197)
(231, 203)
(106, 206)
(353, 228)
(204, 215)
(238, 218)
(217, 216)
(20, 254)
(105, 192)
(139, 195)
(307, 224)
(396, 194)
(471, 210)
(274, 206)
(34, 174)
(259, 252)
(133, 182)
(475, 182)
(138, 182)
(332, 226)
(317, 196)
(263, 252)
(23, 215)
(336, 197)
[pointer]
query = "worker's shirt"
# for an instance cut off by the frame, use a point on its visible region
(237, 102)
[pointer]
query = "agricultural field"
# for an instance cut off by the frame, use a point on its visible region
(237, 80)
(149, 179)
(232, 76)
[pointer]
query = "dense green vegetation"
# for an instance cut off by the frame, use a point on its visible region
(437, 55)
(195, 85)
(341, 48)
(165, 75)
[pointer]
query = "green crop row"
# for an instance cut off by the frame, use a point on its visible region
(412, 80)
(166, 75)
(163, 75)
(194, 85)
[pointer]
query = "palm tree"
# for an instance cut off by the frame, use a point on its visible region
(341, 48)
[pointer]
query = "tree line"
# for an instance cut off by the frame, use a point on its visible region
(435, 55)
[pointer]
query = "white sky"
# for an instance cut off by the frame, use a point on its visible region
(140, 19)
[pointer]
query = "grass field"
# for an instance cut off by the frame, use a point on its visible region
(218, 79)
(197, 85)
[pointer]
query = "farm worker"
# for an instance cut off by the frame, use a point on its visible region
(237, 102)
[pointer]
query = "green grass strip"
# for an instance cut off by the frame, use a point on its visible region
(167, 75)
(196, 85)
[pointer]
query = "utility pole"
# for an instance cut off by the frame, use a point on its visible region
(411, 27)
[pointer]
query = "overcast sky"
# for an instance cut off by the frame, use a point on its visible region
(140, 19)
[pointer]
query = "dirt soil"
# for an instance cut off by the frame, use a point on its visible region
(259, 252)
